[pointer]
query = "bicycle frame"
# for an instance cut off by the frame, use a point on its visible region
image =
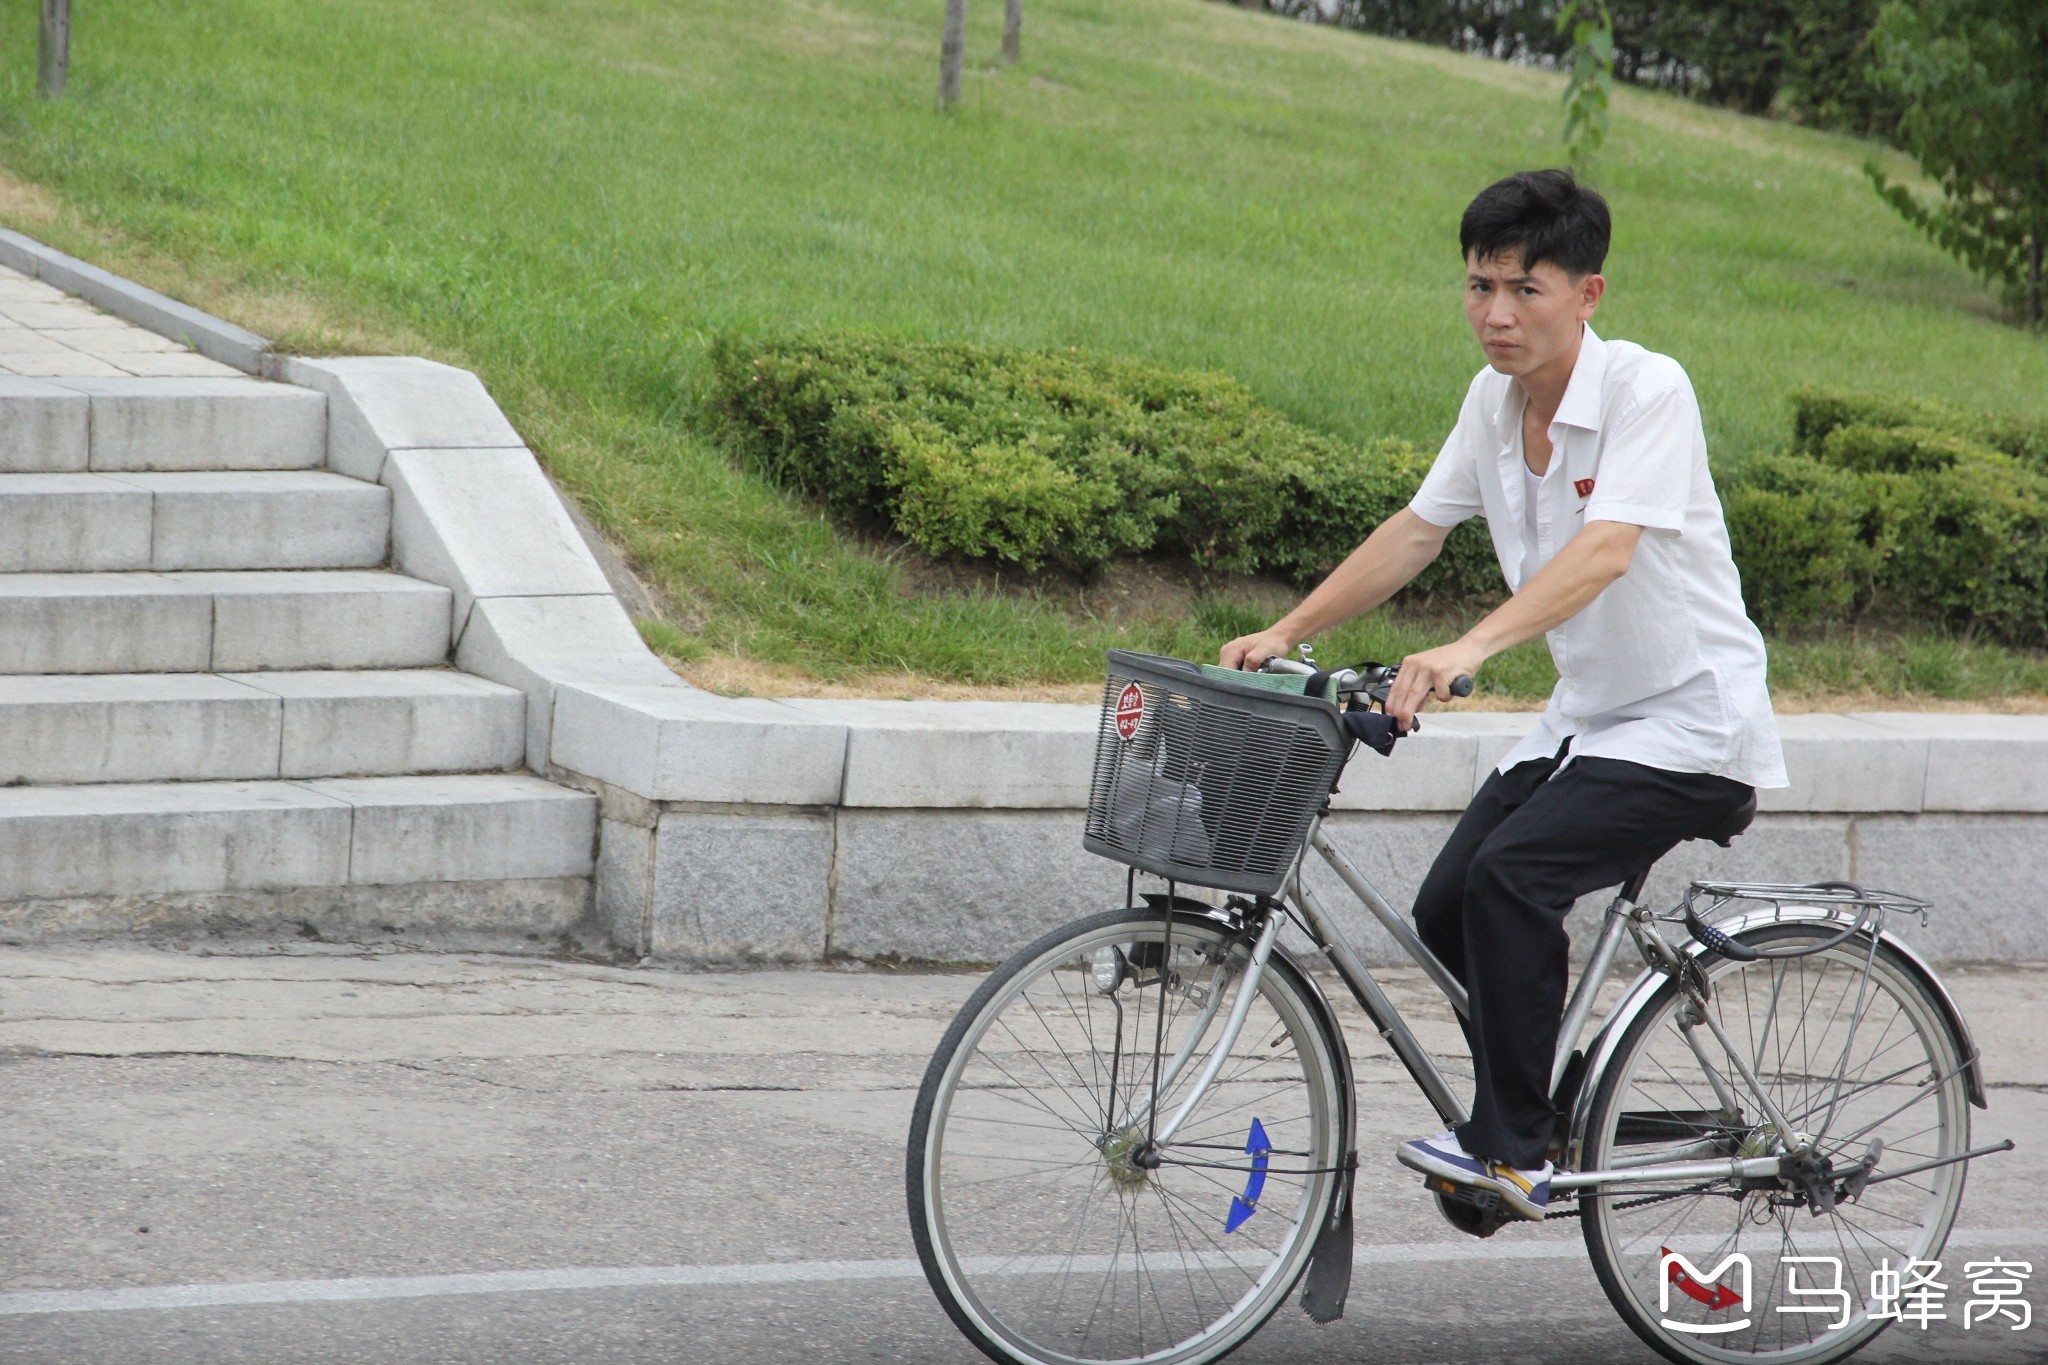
(1388, 1020)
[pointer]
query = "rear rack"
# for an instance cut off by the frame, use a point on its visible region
(1704, 900)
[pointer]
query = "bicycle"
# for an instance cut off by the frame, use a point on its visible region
(1139, 1135)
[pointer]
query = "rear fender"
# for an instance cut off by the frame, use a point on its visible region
(1640, 991)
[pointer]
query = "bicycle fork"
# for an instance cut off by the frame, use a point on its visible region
(1247, 990)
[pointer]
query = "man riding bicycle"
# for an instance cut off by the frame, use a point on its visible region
(1589, 464)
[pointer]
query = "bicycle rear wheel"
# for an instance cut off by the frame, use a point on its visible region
(1852, 1062)
(1045, 1229)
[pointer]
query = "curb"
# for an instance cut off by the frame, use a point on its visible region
(210, 336)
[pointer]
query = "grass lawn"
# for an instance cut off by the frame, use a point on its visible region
(573, 196)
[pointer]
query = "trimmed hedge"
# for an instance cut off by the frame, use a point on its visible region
(1895, 508)
(1901, 509)
(1817, 413)
(1803, 538)
(1064, 458)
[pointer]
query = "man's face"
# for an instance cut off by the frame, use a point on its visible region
(1525, 317)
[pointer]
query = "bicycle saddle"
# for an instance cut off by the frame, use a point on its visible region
(1724, 830)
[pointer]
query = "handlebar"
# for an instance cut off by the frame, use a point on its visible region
(1372, 679)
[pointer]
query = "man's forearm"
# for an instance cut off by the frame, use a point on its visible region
(1579, 572)
(1400, 548)
(1589, 561)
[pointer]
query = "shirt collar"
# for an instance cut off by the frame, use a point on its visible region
(1580, 406)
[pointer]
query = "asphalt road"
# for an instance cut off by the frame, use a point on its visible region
(657, 1166)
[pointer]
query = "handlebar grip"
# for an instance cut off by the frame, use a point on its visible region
(1461, 686)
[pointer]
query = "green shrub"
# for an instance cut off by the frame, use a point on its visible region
(1035, 457)
(1808, 538)
(1973, 548)
(1898, 450)
(1818, 413)
(1900, 508)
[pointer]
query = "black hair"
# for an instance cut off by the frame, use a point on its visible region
(1543, 216)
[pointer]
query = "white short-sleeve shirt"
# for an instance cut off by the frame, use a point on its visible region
(1664, 667)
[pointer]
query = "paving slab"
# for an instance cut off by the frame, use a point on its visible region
(148, 423)
(672, 742)
(72, 523)
(148, 727)
(968, 753)
(1842, 763)
(43, 426)
(487, 827)
(378, 404)
(364, 722)
(103, 623)
(322, 619)
(168, 837)
(77, 290)
(262, 519)
(485, 523)
(1977, 763)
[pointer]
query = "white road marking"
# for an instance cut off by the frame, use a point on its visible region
(779, 1272)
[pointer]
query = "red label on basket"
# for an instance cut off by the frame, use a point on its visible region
(1130, 709)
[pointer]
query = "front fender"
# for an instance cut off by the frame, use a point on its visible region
(1640, 991)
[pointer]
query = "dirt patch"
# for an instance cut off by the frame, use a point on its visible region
(735, 677)
(2027, 705)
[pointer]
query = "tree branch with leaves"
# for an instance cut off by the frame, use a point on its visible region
(1589, 84)
(1974, 78)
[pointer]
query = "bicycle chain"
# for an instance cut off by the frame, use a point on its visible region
(1578, 1211)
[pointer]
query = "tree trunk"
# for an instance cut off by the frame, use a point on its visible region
(1013, 31)
(951, 48)
(53, 62)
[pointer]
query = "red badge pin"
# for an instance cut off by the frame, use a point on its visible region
(1584, 487)
(1130, 710)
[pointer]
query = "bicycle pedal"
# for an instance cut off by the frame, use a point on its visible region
(1479, 1213)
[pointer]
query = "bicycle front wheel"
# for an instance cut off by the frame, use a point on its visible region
(1050, 1228)
(1861, 1062)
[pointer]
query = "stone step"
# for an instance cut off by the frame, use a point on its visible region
(227, 622)
(77, 425)
(197, 727)
(159, 841)
(245, 519)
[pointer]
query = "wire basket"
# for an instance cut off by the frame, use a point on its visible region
(1206, 778)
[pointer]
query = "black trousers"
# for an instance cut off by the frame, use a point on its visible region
(1532, 842)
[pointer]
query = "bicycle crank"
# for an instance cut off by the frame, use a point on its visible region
(1481, 1213)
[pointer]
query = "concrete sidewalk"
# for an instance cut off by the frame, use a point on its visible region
(726, 1147)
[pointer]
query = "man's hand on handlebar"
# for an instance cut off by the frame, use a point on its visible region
(1430, 674)
(1249, 651)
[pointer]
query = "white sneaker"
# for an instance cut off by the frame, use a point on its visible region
(1527, 1193)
